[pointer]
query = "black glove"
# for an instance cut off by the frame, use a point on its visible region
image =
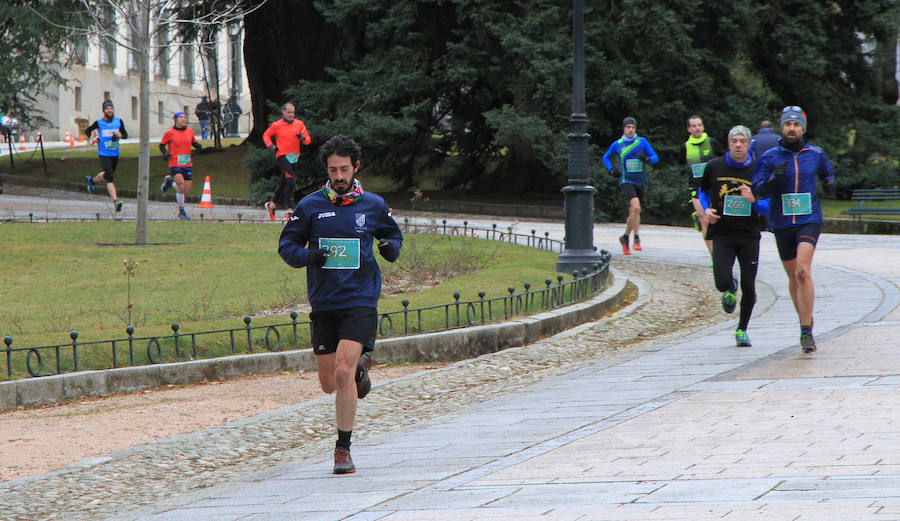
(386, 249)
(614, 171)
(300, 137)
(273, 148)
(198, 146)
(166, 156)
(644, 158)
(317, 257)
(830, 187)
(780, 170)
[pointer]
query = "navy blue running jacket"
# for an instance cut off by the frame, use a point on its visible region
(367, 219)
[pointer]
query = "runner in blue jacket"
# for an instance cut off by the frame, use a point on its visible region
(332, 233)
(632, 154)
(787, 175)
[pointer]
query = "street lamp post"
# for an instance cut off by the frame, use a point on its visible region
(579, 252)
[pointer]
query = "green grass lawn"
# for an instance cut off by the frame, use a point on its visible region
(208, 276)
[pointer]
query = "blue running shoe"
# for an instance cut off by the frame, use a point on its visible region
(183, 215)
(90, 184)
(166, 184)
(741, 338)
(729, 298)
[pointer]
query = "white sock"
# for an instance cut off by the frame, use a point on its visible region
(179, 198)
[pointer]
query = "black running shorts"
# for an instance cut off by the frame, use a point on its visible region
(108, 164)
(787, 239)
(630, 191)
(329, 327)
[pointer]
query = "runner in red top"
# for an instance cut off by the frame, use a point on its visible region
(284, 138)
(180, 139)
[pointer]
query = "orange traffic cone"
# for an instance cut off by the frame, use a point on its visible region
(22, 146)
(81, 139)
(68, 137)
(71, 140)
(206, 198)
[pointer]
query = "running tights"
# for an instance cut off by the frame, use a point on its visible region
(746, 251)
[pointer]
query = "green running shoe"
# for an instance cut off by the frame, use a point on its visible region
(696, 220)
(729, 298)
(741, 338)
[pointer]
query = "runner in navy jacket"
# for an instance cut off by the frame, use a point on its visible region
(332, 233)
(787, 175)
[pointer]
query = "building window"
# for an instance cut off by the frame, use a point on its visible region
(79, 54)
(235, 59)
(107, 45)
(162, 53)
(133, 65)
(187, 64)
(106, 95)
(134, 107)
(211, 59)
(77, 99)
(161, 118)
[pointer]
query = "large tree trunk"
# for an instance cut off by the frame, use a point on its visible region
(284, 41)
(143, 185)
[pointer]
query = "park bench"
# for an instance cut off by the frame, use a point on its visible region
(872, 194)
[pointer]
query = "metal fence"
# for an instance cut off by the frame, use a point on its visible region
(179, 346)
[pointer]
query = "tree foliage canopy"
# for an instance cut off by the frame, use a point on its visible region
(484, 87)
(28, 45)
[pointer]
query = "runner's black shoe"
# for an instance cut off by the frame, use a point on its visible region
(807, 342)
(343, 463)
(118, 205)
(363, 383)
(166, 184)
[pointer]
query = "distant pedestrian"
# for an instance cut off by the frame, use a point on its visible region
(333, 233)
(632, 153)
(735, 219)
(180, 139)
(695, 153)
(106, 133)
(202, 111)
(232, 112)
(786, 174)
(764, 139)
(284, 137)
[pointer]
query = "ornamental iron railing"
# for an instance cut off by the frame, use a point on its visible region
(180, 346)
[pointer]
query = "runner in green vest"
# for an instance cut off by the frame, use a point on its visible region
(695, 153)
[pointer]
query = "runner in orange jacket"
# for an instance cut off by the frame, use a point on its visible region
(284, 138)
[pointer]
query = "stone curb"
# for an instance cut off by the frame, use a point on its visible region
(453, 345)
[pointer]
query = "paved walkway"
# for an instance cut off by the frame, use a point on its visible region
(692, 428)
(685, 428)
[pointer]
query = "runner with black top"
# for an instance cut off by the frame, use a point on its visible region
(735, 219)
